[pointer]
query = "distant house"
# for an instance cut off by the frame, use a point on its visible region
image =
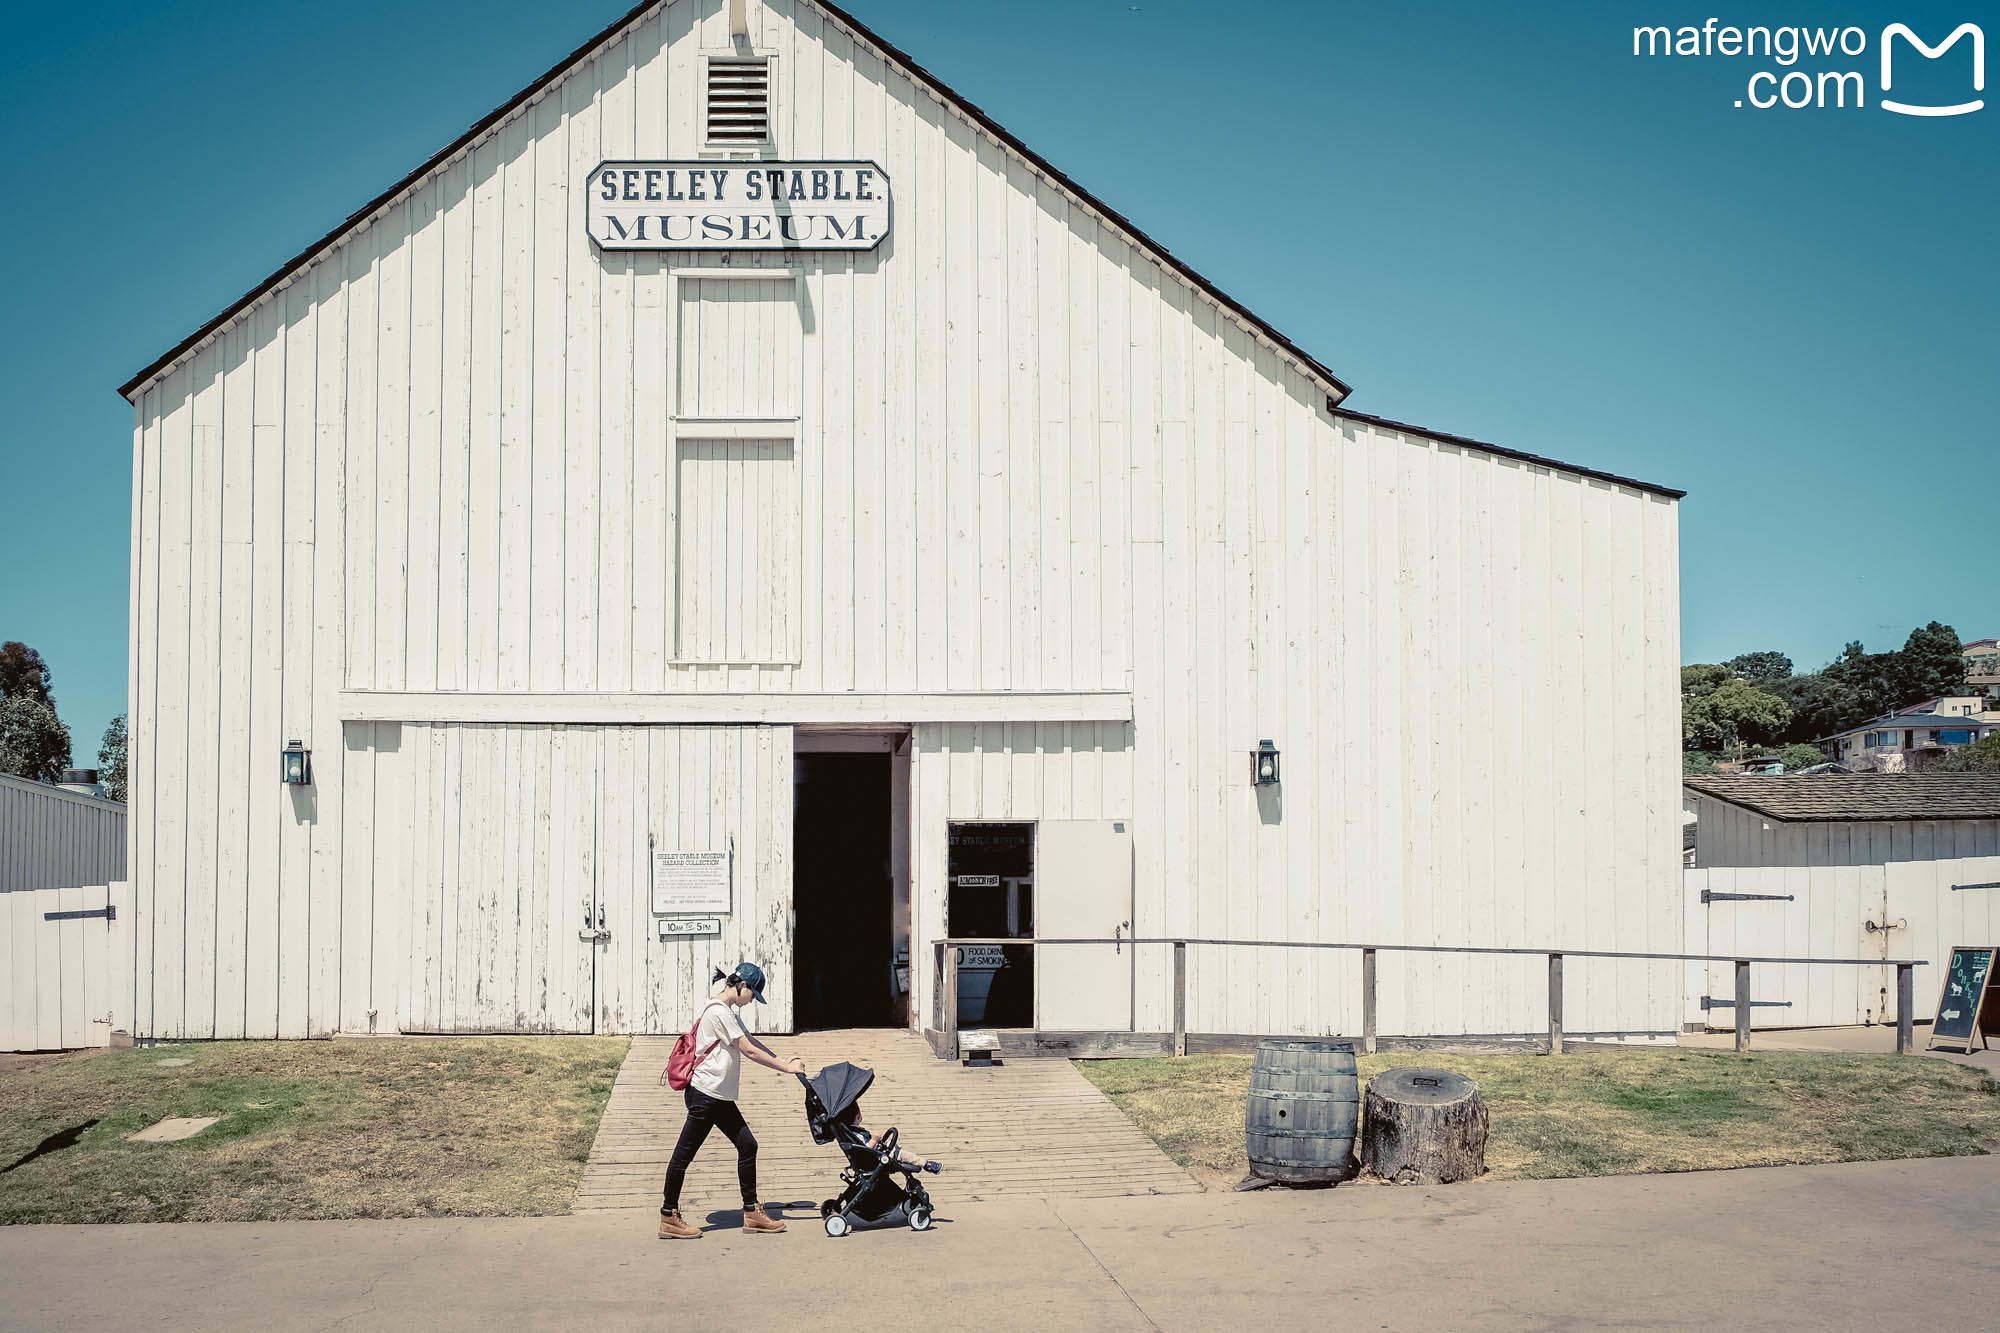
(1956, 705)
(1844, 819)
(1982, 664)
(1903, 742)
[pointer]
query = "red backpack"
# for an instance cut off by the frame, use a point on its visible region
(683, 1060)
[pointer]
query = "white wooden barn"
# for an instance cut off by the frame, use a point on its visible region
(917, 535)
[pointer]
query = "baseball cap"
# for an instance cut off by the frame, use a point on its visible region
(752, 976)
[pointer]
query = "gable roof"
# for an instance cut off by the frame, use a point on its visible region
(1338, 388)
(1859, 796)
(1920, 721)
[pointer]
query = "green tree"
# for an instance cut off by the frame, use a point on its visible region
(1700, 680)
(1983, 756)
(1795, 757)
(23, 674)
(1760, 668)
(34, 743)
(1931, 664)
(1696, 762)
(1733, 713)
(111, 760)
(1818, 704)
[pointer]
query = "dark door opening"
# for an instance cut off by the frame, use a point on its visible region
(842, 892)
(992, 896)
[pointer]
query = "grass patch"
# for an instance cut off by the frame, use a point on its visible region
(1617, 1112)
(471, 1126)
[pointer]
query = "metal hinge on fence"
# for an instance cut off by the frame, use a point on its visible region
(109, 913)
(1711, 896)
(1961, 888)
(1710, 1002)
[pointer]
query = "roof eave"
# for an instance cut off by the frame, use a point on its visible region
(1534, 460)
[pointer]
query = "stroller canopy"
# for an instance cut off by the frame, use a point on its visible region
(840, 1086)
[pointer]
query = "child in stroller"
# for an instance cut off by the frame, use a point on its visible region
(874, 1196)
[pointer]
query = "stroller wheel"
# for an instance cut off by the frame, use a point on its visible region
(827, 1207)
(836, 1225)
(920, 1218)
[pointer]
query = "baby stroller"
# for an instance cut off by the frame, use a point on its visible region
(874, 1197)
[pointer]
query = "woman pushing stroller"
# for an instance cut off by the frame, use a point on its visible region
(720, 1045)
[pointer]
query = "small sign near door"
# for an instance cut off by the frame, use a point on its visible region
(978, 881)
(690, 882)
(689, 927)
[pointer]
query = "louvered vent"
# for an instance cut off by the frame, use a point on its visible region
(739, 101)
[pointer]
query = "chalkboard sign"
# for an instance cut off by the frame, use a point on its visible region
(1963, 1004)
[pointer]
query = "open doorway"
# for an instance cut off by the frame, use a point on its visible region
(992, 896)
(844, 875)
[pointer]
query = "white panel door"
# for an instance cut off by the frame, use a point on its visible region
(1083, 888)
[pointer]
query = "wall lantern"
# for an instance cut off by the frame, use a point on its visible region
(298, 765)
(1264, 765)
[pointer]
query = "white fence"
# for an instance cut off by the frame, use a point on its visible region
(68, 966)
(1905, 909)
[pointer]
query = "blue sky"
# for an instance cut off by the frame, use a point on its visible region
(1488, 219)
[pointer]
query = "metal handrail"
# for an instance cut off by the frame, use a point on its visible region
(944, 977)
(956, 942)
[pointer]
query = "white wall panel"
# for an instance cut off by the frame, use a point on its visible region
(1825, 911)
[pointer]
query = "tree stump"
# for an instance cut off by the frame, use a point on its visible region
(1423, 1127)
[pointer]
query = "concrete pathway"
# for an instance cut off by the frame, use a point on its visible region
(1873, 1245)
(1029, 1127)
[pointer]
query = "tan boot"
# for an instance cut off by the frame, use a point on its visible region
(673, 1228)
(756, 1220)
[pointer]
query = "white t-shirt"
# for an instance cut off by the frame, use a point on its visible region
(716, 1075)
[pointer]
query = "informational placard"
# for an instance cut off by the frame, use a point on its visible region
(738, 205)
(689, 927)
(690, 882)
(1968, 977)
(978, 881)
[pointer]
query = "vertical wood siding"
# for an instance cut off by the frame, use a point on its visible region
(1729, 835)
(1028, 458)
(54, 839)
(738, 517)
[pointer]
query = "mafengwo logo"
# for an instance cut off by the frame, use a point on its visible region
(1927, 80)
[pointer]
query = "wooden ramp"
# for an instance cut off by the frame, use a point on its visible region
(1029, 1127)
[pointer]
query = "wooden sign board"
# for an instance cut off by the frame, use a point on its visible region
(717, 205)
(1969, 1003)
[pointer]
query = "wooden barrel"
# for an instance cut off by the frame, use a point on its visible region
(1305, 1100)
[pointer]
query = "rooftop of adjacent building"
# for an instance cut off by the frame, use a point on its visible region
(1839, 796)
(1914, 721)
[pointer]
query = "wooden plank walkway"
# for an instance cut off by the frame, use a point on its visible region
(1033, 1126)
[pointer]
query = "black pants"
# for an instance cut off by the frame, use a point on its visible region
(706, 1112)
